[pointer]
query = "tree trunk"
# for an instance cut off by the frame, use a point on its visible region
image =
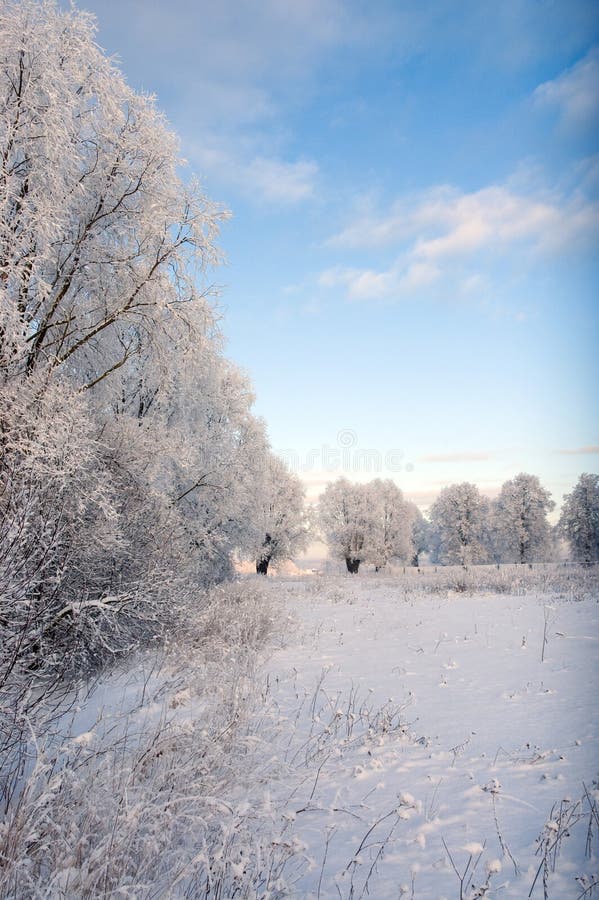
(522, 553)
(352, 565)
(262, 565)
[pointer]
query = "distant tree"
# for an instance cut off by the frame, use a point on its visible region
(388, 534)
(345, 519)
(457, 523)
(579, 520)
(280, 517)
(522, 531)
(421, 536)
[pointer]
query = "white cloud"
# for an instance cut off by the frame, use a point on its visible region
(360, 283)
(443, 221)
(444, 233)
(575, 93)
(368, 284)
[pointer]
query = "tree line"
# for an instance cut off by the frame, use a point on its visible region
(132, 468)
(374, 523)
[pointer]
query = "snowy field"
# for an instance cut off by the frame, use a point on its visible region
(397, 736)
(447, 748)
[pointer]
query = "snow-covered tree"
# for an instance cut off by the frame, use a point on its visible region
(280, 522)
(421, 537)
(130, 456)
(579, 519)
(389, 532)
(457, 524)
(100, 240)
(370, 522)
(521, 530)
(345, 519)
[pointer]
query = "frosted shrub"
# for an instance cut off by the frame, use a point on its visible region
(164, 796)
(235, 616)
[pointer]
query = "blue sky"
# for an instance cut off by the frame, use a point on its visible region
(412, 265)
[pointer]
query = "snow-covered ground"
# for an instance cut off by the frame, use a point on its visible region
(410, 735)
(437, 743)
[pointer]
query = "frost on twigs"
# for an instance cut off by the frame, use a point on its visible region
(159, 779)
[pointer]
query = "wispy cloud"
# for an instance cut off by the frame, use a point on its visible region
(456, 457)
(265, 179)
(368, 284)
(444, 234)
(574, 93)
(444, 222)
(229, 71)
(281, 181)
(579, 451)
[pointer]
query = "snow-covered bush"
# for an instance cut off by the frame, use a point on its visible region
(61, 608)
(152, 783)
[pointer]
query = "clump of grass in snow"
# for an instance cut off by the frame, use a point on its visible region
(563, 818)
